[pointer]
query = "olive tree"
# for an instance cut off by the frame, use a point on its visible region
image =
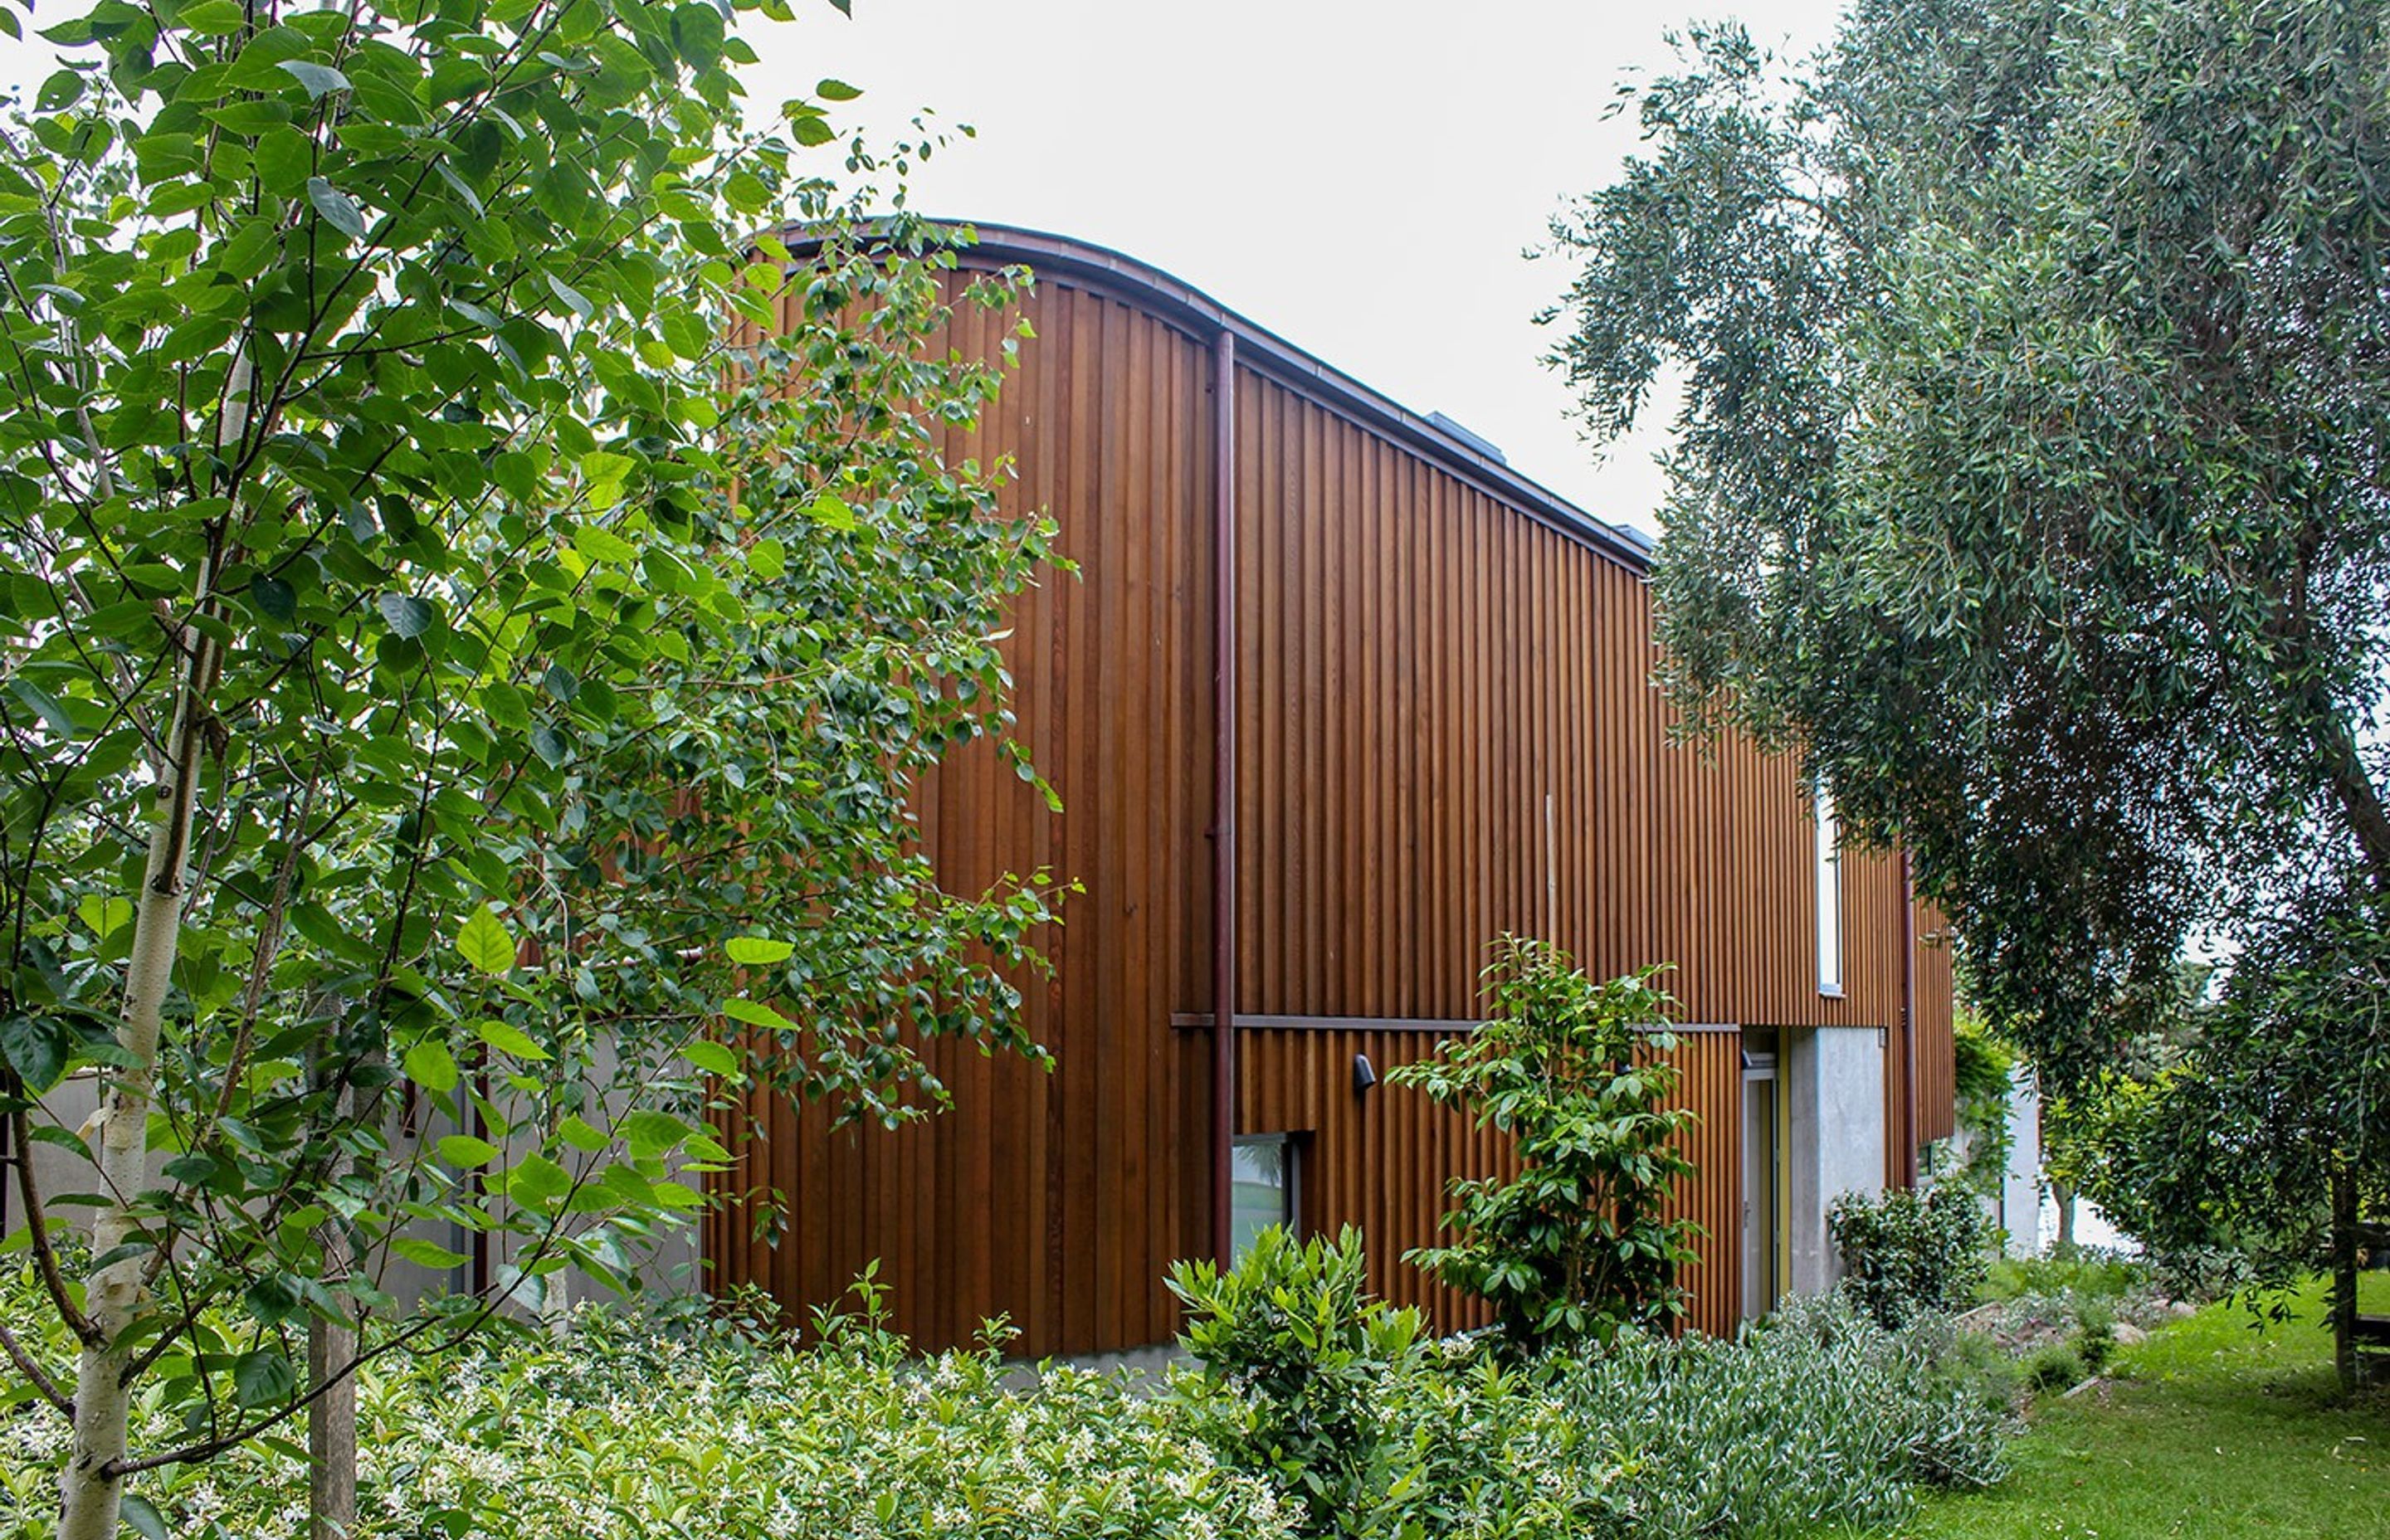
(474, 615)
(2030, 473)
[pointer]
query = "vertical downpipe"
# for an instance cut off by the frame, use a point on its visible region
(1224, 788)
(1908, 1022)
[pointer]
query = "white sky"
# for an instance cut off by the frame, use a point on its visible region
(1360, 176)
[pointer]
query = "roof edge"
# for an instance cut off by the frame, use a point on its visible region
(1179, 302)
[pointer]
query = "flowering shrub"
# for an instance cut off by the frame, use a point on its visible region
(684, 1428)
(621, 1428)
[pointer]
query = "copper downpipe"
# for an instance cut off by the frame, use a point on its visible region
(1224, 790)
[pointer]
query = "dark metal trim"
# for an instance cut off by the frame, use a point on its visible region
(1201, 1021)
(1223, 791)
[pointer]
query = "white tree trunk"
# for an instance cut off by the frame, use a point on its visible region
(90, 1489)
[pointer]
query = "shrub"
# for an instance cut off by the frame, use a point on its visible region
(2056, 1366)
(616, 1426)
(1297, 1365)
(2088, 1273)
(1578, 1244)
(1820, 1416)
(1908, 1253)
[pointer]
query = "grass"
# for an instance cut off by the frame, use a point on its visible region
(2209, 1429)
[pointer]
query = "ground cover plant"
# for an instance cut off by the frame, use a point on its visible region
(682, 1421)
(2218, 1428)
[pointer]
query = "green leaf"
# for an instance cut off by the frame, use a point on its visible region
(573, 297)
(485, 943)
(510, 1039)
(712, 1056)
(600, 544)
(38, 1047)
(465, 1152)
(505, 705)
(213, 17)
(836, 91)
(407, 615)
(431, 1066)
(318, 78)
(537, 1181)
(264, 1377)
(41, 703)
(831, 512)
(756, 1014)
(767, 559)
(757, 951)
(274, 598)
(423, 1253)
(142, 1517)
(339, 208)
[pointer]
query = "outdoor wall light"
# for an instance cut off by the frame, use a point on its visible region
(1365, 1074)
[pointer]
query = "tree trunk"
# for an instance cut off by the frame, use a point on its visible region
(332, 1357)
(2064, 1247)
(89, 1487)
(2344, 1274)
(331, 1432)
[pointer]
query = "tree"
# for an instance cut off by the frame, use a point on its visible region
(446, 671)
(1575, 1247)
(2030, 473)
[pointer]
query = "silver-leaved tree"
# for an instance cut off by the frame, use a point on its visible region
(473, 613)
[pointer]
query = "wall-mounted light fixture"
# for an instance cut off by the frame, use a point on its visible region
(1365, 1074)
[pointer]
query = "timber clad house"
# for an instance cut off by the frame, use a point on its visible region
(1337, 698)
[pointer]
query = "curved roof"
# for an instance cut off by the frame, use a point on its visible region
(1175, 301)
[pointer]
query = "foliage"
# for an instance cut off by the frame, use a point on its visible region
(2086, 1274)
(1820, 1415)
(2056, 1366)
(2029, 469)
(1298, 1363)
(2209, 1430)
(677, 1421)
(444, 673)
(1575, 1247)
(1983, 1070)
(1910, 1253)
(615, 1427)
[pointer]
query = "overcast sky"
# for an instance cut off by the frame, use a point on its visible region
(1361, 178)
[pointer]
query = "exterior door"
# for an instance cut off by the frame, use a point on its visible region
(1759, 1193)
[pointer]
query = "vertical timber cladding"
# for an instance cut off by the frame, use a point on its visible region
(1056, 1201)
(1446, 730)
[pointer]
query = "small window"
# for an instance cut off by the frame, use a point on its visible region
(1263, 1169)
(1830, 895)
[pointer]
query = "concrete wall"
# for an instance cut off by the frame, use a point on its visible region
(1835, 1101)
(2020, 1206)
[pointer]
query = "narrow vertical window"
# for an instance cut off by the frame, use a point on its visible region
(1830, 895)
(1264, 1194)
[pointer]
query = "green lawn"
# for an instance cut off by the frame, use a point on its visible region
(2213, 1430)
